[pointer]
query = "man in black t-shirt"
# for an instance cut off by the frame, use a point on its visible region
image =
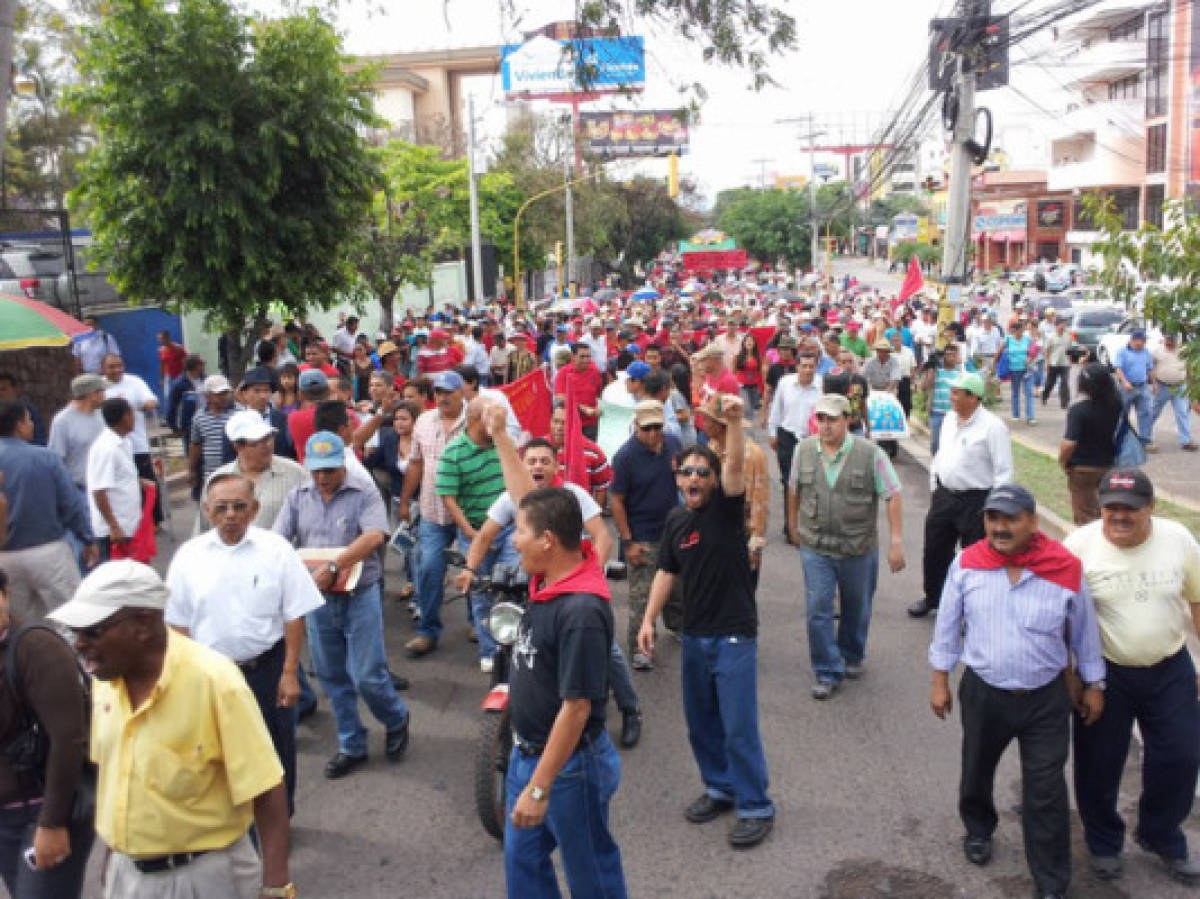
(704, 545)
(564, 769)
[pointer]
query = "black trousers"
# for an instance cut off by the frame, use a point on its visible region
(1057, 373)
(145, 469)
(1162, 700)
(955, 517)
(904, 395)
(785, 448)
(1039, 720)
(263, 680)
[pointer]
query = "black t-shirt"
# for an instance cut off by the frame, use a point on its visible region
(1093, 428)
(777, 371)
(707, 548)
(561, 653)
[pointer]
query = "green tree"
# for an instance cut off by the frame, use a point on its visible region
(773, 226)
(229, 172)
(884, 209)
(1155, 271)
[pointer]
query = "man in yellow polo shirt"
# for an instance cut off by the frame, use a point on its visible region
(185, 761)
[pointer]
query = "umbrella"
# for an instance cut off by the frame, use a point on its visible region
(645, 293)
(29, 323)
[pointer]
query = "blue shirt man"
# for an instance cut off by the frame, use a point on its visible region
(1133, 366)
(43, 504)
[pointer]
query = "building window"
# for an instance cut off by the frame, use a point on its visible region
(1127, 203)
(1129, 30)
(1126, 89)
(1156, 149)
(1157, 62)
(1156, 197)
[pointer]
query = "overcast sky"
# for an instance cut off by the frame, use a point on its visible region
(852, 60)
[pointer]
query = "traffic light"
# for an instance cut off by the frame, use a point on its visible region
(673, 175)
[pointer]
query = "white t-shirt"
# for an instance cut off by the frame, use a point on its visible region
(1142, 594)
(110, 468)
(504, 511)
(134, 391)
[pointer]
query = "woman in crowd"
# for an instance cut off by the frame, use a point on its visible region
(1088, 447)
(392, 454)
(287, 398)
(361, 369)
(748, 367)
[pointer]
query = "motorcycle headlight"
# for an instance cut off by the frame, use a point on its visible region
(504, 621)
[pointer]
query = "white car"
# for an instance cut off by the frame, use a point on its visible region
(1112, 343)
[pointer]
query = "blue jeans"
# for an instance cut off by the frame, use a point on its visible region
(935, 430)
(432, 542)
(576, 823)
(500, 553)
(1180, 404)
(64, 880)
(346, 636)
(1021, 382)
(620, 681)
(854, 577)
(1139, 399)
(720, 704)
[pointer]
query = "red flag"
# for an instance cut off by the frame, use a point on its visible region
(532, 402)
(141, 545)
(912, 281)
(574, 464)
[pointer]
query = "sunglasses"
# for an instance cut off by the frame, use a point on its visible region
(96, 631)
(238, 507)
(701, 471)
(651, 427)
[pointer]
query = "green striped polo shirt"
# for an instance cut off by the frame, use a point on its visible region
(472, 475)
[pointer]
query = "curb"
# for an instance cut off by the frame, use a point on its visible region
(1046, 515)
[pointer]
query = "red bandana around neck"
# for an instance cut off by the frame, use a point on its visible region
(586, 577)
(1046, 558)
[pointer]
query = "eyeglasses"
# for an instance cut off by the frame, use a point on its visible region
(96, 631)
(656, 426)
(701, 471)
(238, 507)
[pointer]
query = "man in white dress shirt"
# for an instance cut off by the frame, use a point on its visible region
(974, 455)
(792, 406)
(134, 390)
(243, 591)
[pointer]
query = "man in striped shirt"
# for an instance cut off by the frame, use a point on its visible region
(209, 448)
(469, 480)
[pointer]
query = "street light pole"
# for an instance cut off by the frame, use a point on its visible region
(476, 249)
(570, 205)
(518, 285)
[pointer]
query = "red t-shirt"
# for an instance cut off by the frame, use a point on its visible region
(170, 359)
(430, 362)
(584, 385)
(749, 373)
(329, 369)
(301, 427)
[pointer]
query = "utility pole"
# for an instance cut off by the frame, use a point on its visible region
(958, 205)
(812, 188)
(480, 293)
(568, 155)
(761, 162)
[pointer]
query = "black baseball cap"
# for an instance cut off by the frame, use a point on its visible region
(1126, 487)
(1010, 499)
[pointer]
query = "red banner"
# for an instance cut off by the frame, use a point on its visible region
(712, 260)
(532, 402)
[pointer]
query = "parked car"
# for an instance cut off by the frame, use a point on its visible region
(1088, 323)
(1037, 305)
(1028, 275)
(1090, 294)
(1060, 278)
(1114, 341)
(21, 273)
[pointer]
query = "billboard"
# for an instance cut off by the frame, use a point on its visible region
(543, 67)
(650, 132)
(1052, 214)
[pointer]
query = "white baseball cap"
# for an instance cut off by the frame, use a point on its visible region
(217, 384)
(121, 584)
(247, 425)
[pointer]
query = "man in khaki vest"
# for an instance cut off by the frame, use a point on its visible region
(836, 483)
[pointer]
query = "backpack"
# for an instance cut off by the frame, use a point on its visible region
(28, 751)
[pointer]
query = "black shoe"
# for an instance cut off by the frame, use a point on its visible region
(631, 728)
(748, 832)
(341, 765)
(399, 681)
(978, 850)
(920, 609)
(706, 809)
(397, 742)
(1106, 867)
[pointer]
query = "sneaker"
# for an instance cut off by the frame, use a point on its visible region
(978, 850)
(854, 672)
(1191, 446)
(488, 665)
(822, 690)
(749, 832)
(1032, 422)
(1015, 419)
(641, 662)
(1186, 870)
(1106, 867)
(420, 645)
(706, 809)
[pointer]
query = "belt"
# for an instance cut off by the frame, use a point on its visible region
(942, 486)
(161, 863)
(1139, 384)
(1019, 691)
(260, 660)
(533, 750)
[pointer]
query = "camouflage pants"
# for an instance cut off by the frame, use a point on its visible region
(640, 578)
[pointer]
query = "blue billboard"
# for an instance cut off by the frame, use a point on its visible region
(543, 66)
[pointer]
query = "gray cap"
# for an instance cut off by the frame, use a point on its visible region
(83, 385)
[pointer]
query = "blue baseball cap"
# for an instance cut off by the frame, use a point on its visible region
(311, 379)
(447, 380)
(1139, 334)
(637, 370)
(1010, 499)
(324, 450)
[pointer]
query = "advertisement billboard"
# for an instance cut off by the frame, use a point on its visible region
(1051, 214)
(543, 67)
(649, 132)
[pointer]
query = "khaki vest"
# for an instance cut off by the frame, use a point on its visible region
(837, 520)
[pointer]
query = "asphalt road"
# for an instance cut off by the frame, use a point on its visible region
(865, 784)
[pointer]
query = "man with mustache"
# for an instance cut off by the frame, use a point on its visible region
(1144, 572)
(1015, 611)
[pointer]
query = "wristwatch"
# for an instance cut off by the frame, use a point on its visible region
(537, 794)
(1096, 685)
(287, 891)
(332, 568)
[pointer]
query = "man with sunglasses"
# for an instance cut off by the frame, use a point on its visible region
(243, 591)
(837, 481)
(185, 760)
(704, 546)
(643, 494)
